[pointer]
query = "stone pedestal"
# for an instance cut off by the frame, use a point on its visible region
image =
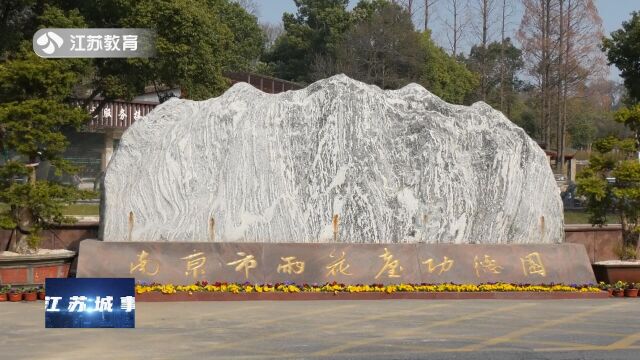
(186, 263)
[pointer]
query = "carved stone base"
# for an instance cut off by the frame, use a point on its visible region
(186, 263)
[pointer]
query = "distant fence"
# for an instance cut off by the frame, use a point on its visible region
(120, 114)
(265, 83)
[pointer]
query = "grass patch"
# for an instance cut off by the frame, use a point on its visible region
(73, 209)
(581, 217)
(83, 209)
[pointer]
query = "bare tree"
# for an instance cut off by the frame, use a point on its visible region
(483, 28)
(580, 58)
(409, 5)
(546, 69)
(271, 32)
(561, 88)
(506, 12)
(412, 6)
(250, 6)
(428, 12)
(535, 36)
(455, 23)
(324, 66)
(560, 41)
(383, 50)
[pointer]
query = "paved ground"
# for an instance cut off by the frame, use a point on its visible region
(395, 329)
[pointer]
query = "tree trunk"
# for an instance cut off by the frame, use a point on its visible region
(19, 243)
(543, 85)
(24, 216)
(630, 238)
(483, 61)
(559, 128)
(455, 28)
(638, 143)
(426, 15)
(502, 65)
(547, 67)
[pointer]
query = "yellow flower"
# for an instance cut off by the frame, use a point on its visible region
(336, 288)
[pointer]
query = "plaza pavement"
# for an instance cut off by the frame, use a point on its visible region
(387, 329)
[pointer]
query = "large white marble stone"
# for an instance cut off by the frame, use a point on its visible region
(395, 166)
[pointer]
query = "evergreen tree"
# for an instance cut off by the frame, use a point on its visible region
(444, 76)
(34, 113)
(312, 33)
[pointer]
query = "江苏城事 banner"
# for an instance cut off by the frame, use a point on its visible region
(90, 303)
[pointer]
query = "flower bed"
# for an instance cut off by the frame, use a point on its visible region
(333, 291)
(342, 288)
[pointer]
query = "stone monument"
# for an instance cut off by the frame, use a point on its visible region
(337, 161)
(340, 181)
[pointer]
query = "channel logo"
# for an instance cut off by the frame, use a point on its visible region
(55, 43)
(90, 303)
(49, 42)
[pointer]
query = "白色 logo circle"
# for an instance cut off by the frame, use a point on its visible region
(49, 42)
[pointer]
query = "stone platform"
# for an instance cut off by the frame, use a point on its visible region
(186, 263)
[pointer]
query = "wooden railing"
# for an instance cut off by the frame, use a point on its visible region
(116, 114)
(265, 83)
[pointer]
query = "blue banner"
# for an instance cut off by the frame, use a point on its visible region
(90, 303)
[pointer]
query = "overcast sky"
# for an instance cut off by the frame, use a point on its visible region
(613, 13)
